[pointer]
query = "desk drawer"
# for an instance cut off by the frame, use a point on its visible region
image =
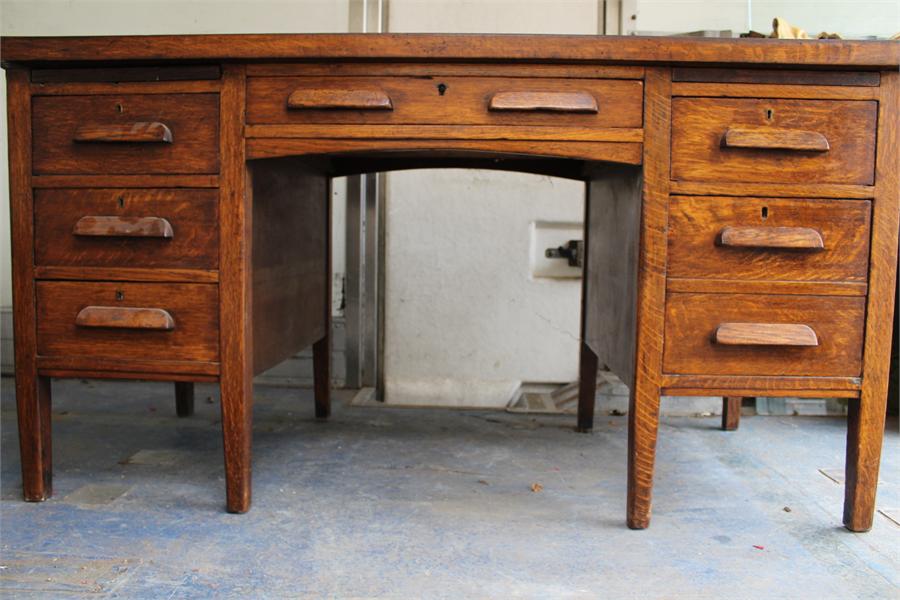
(446, 101)
(163, 228)
(773, 141)
(769, 239)
(758, 334)
(126, 134)
(145, 321)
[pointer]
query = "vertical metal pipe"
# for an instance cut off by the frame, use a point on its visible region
(364, 287)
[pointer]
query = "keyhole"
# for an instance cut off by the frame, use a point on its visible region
(119, 107)
(769, 114)
(765, 212)
(441, 87)
(120, 295)
(121, 201)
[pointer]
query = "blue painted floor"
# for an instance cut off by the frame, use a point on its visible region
(411, 503)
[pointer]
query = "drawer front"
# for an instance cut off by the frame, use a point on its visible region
(142, 321)
(757, 334)
(445, 101)
(126, 134)
(769, 239)
(773, 141)
(126, 228)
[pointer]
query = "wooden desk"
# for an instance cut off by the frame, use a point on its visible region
(170, 210)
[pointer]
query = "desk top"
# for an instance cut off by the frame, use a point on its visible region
(463, 47)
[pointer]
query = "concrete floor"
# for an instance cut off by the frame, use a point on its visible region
(408, 503)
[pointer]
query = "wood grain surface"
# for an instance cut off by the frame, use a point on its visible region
(700, 124)
(193, 121)
(115, 317)
(290, 205)
(697, 250)
(447, 100)
(432, 47)
(235, 285)
(61, 237)
(692, 319)
(765, 334)
(32, 390)
(780, 238)
(191, 306)
(865, 426)
(137, 132)
(643, 412)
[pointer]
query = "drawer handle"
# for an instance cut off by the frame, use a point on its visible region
(143, 132)
(765, 334)
(114, 317)
(564, 102)
(325, 99)
(799, 238)
(770, 138)
(147, 227)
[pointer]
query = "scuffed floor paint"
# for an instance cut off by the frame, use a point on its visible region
(409, 503)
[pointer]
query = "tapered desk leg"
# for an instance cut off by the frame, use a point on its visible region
(587, 389)
(322, 376)
(731, 412)
(865, 430)
(235, 293)
(643, 413)
(33, 406)
(32, 391)
(643, 423)
(865, 422)
(184, 398)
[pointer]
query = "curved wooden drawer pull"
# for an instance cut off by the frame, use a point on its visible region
(143, 132)
(147, 227)
(771, 138)
(115, 317)
(765, 334)
(564, 102)
(333, 99)
(800, 238)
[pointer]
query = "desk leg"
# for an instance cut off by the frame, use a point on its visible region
(33, 407)
(643, 423)
(865, 422)
(731, 412)
(235, 292)
(32, 390)
(184, 398)
(587, 389)
(322, 375)
(865, 430)
(643, 413)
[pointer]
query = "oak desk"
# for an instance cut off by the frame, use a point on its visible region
(170, 210)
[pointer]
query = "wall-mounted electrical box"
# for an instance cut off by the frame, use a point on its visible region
(553, 236)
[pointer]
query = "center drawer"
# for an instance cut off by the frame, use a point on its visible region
(141, 321)
(149, 228)
(126, 134)
(446, 101)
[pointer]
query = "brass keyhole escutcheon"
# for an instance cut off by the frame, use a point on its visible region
(441, 88)
(764, 213)
(121, 201)
(769, 114)
(119, 108)
(120, 295)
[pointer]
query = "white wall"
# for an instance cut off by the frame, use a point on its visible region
(465, 324)
(850, 18)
